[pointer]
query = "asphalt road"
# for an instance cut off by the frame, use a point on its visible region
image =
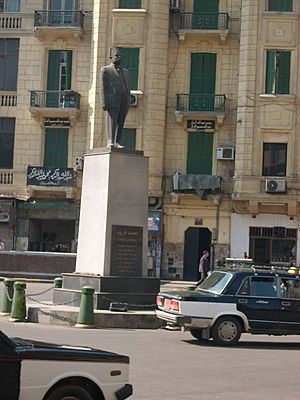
(167, 365)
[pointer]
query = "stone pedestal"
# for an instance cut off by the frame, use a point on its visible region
(113, 233)
(113, 230)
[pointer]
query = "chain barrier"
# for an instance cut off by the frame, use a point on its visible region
(59, 317)
(130, 305)
(48, 303)
(40, 293)
(7, 294)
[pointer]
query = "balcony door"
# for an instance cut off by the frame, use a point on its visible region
(59, 76)
(200, 151)
(202, 82)
(62, 11)
(206, 14)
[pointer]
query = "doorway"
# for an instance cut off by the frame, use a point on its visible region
(196, 240)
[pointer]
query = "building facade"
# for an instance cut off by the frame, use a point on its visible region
(214, 89)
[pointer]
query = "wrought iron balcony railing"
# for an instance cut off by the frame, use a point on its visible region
(201, 102)
(58, 18)
(55, 99)
(204, 21)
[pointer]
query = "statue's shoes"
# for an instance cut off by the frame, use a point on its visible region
(119, 146)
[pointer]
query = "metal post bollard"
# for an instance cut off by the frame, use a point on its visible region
(18, 308)
(7, 296)
(86, 311)
(58, 282)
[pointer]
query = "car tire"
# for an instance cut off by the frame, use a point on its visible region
(226, 331)
(197, 334)
(70, 392)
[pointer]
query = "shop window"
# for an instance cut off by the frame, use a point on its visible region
(130, 3)
(128, 138)
(7, 6)
(9, 57)
(278, 72)
(280, 5)
(7, 135)
(56, 148)
(274, 159)
(130, 61)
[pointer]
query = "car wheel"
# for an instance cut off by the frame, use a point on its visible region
(70, 392)
(197, 334)
(227, 331)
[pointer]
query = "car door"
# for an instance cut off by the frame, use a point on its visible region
(258, 300)
(289, 318)
(9, 370)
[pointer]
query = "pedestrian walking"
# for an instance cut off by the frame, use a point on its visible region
(204, 266)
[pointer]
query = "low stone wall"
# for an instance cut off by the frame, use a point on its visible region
(31, 263)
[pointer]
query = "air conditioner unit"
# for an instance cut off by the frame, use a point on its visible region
(79, 162)
(133, 100)
(174, 5)
(225, 153)
(275, 185)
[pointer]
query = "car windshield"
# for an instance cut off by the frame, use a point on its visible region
(216, 282)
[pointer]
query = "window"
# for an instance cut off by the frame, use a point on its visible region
(290, 288)
(278, 72)
(274, 159)
(56, 148)
(7, 135)
(200, 152)
(59, 76)
(9, 56)
(10, 6)
(130, 3)
(274, 244)
(130, 61)
(128, 138)
(259, 286)
(280, 5)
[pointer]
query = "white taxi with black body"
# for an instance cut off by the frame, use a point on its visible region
(33, 370)
(230, 302)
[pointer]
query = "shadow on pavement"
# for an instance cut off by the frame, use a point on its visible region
(249, 345)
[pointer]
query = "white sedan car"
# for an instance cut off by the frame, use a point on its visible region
(32, 370)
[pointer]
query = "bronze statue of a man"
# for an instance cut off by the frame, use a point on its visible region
(115, 97)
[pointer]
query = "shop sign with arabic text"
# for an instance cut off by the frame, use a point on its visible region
(43, 176)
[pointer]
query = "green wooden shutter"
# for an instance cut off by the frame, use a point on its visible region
(53, 78)
(271, 72)
(283, 84)
(128, 138)
(200, 152)
(130, 61)
(56, 148)
(205, 14)
(129, 3)
(202, 81)
(280, 5)
(69, 69)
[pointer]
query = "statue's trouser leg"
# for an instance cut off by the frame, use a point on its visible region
(111, 124)
(121, 118)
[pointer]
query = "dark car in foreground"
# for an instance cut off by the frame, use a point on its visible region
(33, 370)
(230, 302)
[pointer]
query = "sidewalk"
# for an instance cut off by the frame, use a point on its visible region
(40, 308)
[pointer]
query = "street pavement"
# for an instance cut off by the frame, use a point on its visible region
(167, 365)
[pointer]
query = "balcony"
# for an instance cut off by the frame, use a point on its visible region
(203, 24)
(202, 185)
(200, 106)
(58, 24)
(54, 103)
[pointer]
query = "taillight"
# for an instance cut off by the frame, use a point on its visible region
(159, 301)
(174, 305)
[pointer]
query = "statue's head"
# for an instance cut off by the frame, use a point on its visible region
(115, 56)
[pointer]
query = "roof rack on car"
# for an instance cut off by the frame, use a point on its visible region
(247, 263)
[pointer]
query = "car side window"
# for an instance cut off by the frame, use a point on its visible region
(290, 288)
(259, 286)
